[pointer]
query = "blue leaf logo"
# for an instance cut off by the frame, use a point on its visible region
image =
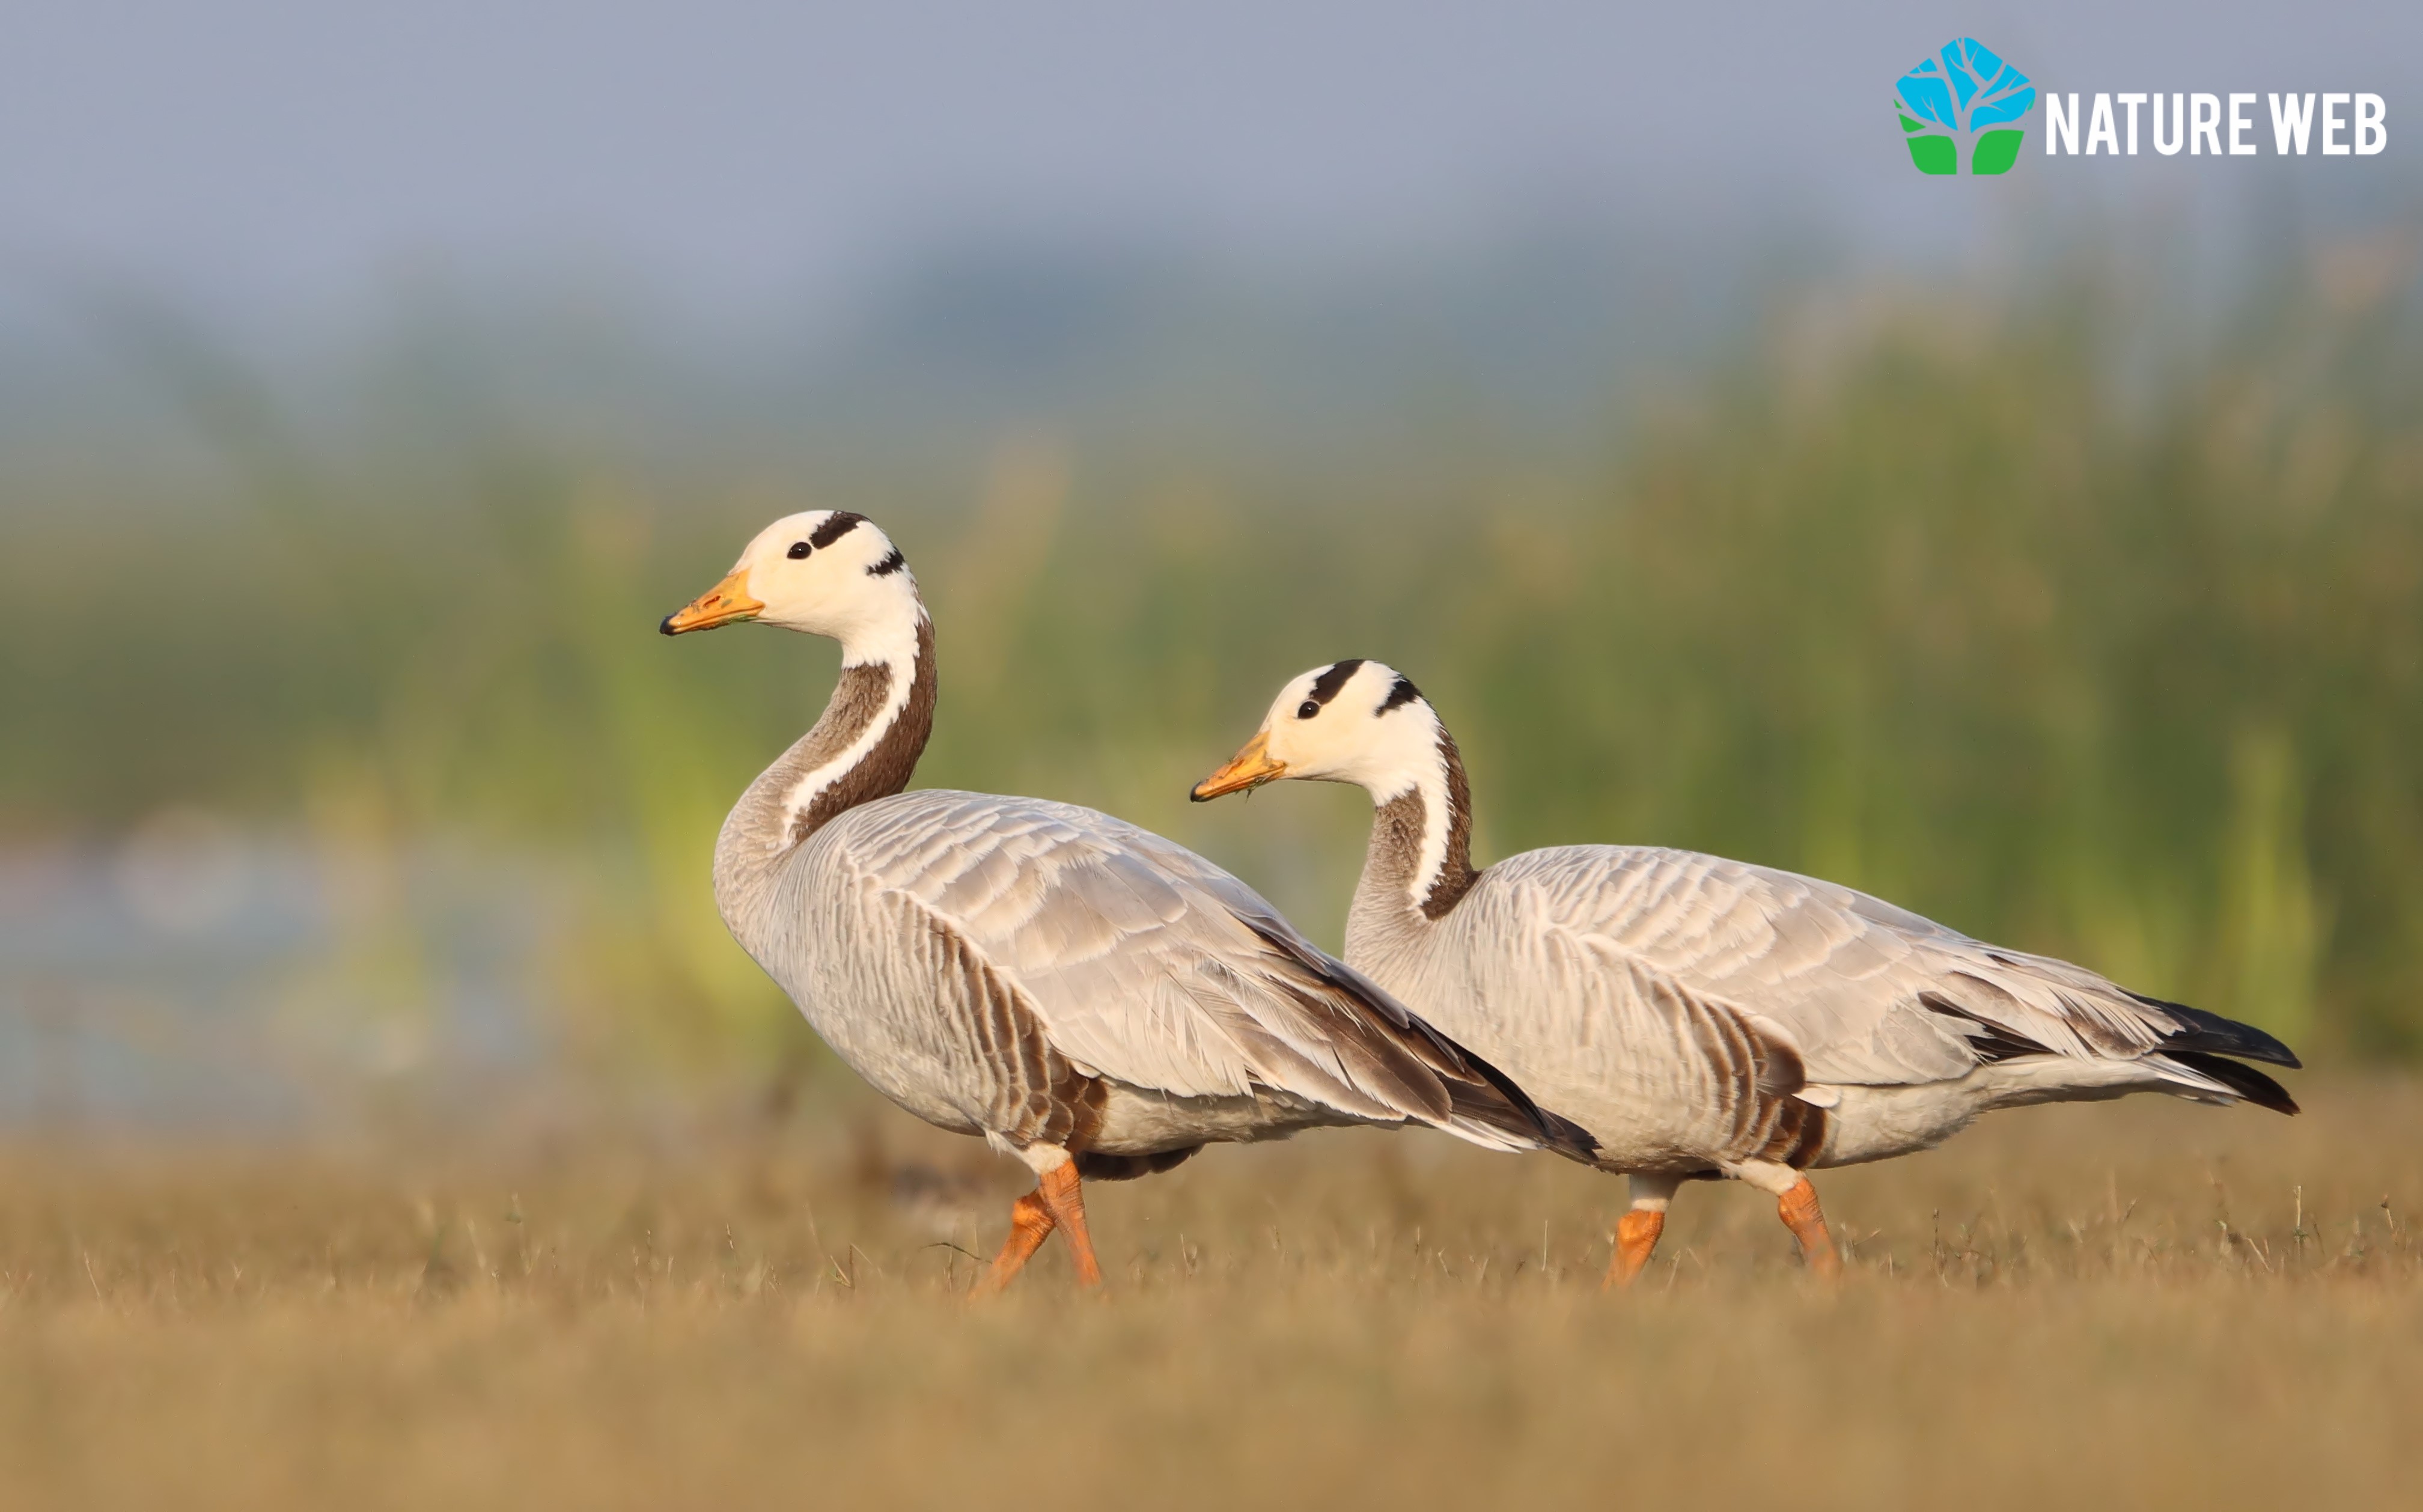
(1965, 97)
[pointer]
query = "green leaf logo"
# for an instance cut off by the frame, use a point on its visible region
(1964, 102)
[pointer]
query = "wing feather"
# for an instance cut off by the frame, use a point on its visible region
(1144, 963)
(1865, 992)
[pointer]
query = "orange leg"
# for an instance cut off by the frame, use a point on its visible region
(1636, 1236)
(1066, 1203)
(1030, 1224)
(1637, 1232)
(1798, 1209)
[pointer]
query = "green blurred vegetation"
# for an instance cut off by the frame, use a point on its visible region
(2079, 626)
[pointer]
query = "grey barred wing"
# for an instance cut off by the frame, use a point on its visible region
(1869, 994)
(1143, 962)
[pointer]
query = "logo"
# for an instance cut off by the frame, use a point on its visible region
(2199, 124)
(1965, 103)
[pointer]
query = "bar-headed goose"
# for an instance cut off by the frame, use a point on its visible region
(1703, 1017)
(1083, 994)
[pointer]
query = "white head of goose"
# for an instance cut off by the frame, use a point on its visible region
(1081, 993)
(1704, 1017)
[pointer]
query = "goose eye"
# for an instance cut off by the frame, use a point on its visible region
(798, 549)
(1307, 710)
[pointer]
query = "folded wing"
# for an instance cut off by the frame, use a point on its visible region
(1141, 961)
(1867, 992)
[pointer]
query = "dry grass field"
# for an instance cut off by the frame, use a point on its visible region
(2144, 1304)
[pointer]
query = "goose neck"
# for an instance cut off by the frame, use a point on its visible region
(865, 746)
(1419, 863)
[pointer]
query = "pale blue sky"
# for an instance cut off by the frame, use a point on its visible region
(293, 154)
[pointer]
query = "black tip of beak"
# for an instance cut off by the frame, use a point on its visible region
(666, 625)
(1194, 797)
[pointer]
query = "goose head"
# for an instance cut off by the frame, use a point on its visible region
(1355, 721)
(824, 571)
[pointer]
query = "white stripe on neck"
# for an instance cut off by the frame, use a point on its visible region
(1438, 818)
(894, 649)
(1425, 774)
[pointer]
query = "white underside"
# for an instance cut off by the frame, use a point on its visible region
(1138, 1121)
(1879, 1122)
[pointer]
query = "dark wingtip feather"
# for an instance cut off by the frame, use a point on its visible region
(2244, 1080)
(1476, 1090)
(1512, 1110)
(2210, 1034)
(1569, 1138)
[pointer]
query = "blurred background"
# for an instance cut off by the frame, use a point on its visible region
(2043, 552)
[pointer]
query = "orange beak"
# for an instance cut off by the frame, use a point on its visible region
(1249, 768)
(725, 603)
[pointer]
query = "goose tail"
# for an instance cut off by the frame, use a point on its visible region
(2215, 1048)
